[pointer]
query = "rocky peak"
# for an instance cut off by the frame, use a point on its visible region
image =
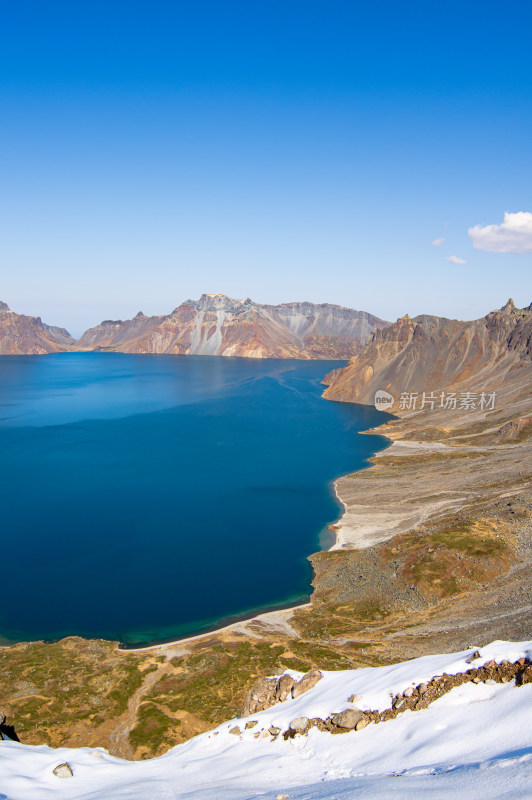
(218, 302)
(510, 306)
(3, 306)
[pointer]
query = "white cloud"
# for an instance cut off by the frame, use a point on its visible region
(437, 242)
(456, 260)
(514, 235)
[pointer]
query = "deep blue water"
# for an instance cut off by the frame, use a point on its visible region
(145, 498)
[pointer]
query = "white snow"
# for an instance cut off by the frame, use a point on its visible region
(475, 741)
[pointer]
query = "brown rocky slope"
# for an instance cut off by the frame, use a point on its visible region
(429, 354)
(434, 548)
(22, 335)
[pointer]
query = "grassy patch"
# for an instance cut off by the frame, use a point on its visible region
(329, 620)
(464, 539)
(154, 730)
(446, 562)
(212, 683)
(131, 680)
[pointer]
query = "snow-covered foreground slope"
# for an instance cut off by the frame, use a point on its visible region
(475, 741)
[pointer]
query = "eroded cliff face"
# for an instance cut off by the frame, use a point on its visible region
(22, 335)
(431, 354)
(217, 325)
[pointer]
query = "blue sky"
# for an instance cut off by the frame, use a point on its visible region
(150, 152)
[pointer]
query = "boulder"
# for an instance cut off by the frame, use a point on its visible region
(274, 730)
(354, 698)
(300, 724)
(422, 688)
(260, 696)
(408, 692)
(63, 771)
(284, 687)
(347, 719)
(235, 731)
(251, 723)
(308, 681)
(362, 723)
(525, 676)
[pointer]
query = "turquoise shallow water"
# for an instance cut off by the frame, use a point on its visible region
(146, 498)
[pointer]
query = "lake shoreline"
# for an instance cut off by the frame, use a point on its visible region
(261, 617)
(276, 616)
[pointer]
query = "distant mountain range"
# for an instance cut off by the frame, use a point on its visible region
(422, 354)
(213, 325)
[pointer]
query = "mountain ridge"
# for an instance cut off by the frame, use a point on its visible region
(220, 325)
(24, 335)
(428, 354)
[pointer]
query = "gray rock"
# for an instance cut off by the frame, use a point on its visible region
(354, 698)
(408, 692)
(235, 731)
(472, 657)
(308, 681)
(423, 688)
(274, 731)
(299, 724)
(285, 684)
(251, 723)
(63, 771)
(362, 723)
(347, 719)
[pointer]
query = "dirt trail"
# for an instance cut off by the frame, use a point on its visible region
(119, 738)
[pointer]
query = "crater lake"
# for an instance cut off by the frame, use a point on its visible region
(150, 497)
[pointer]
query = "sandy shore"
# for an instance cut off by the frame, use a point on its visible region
(376, 515)
(269, 622)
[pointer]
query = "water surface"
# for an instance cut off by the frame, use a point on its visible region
(145, 498)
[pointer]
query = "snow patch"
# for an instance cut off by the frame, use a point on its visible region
(474, 741)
